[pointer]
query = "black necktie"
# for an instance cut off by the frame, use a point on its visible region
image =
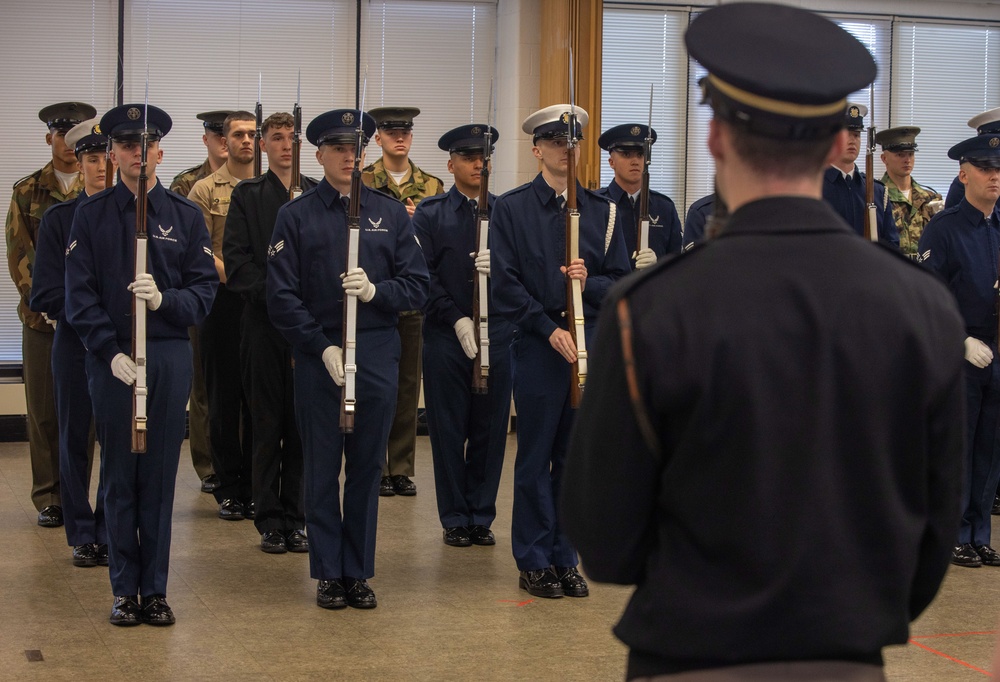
(631, 200)
(346, 201)
(562, 204)
(473, 204)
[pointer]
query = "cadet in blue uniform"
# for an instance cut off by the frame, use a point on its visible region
(85, 529)
(986, 122)
(624, 144)
(178, 289)
(705, 431)
(468, 431)
(697, 217)
(306, 286)
(844, 185)
(962, 245)
(528, 252)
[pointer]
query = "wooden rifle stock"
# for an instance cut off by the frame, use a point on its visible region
(480, 287)
(139, 390)
(871, 217)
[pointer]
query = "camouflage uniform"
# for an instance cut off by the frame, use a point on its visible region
(911, 215)
(403, 435)
(32, 196)
(199, 442)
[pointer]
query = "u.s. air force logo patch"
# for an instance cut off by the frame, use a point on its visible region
(164, 233)
(376, 226)
(273, 249)
(654, 219)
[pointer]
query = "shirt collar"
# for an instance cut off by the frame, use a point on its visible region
(329, 195)
(157, 196)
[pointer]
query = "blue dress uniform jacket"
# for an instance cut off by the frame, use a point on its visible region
(468, 432)
(528, 247)
(848, 199)
(138, 488)
(307, 255)
(962, 246)
(697, 217)
(664, 224)
(805, 404)
(84, 524)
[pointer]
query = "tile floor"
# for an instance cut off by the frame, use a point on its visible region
(444, 613)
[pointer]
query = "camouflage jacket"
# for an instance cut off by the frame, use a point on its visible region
(184, 181)
(415, 187)
(911, 215)
(32, 196)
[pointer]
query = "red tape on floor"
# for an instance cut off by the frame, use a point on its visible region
(913, 640)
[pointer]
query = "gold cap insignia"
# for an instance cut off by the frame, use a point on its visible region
(854, 112)
(348, 118)
(994, 141)
(477, 131)
(635, 131)
(564, 118)
(97, 129)
(133, 113)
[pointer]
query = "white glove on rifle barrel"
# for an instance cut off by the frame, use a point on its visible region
(977, 352)
(356, 284)
(333, 358)
(644, 259)
(123, 368)
(145, 288)
(482, 261)
(465, 330)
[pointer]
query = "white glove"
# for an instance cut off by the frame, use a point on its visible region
(123, 367)
(977, 352)
(644, 258)
(48, 321)
(465, 330)
(333, 358)
(935, 206)
(356, 284)
(482, 261)
(145, 288)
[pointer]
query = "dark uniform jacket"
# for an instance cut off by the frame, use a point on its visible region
(797, 495)
(848, 200)
(664, 225)
(697, 216)
(48, 287)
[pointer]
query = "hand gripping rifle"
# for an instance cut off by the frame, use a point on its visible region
(480, 288)
(139, 388)
(871, 215)
(574, 289)
(642, 238)
(348, 395)
(295, 188)
(258, 156)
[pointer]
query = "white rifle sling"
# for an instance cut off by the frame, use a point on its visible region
(610, 231)
(351, 330)
(578, 319)
(484, 304)
(139, 352)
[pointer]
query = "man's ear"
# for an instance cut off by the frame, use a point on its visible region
(48, 139)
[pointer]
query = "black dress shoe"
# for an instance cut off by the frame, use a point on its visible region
(996, 506)
(481, 535)
(273, 542)
(402, 485)
(385, 487)
(231, 510)
(51, 516)
(457, 537)
(330, 594)
(102, 554)
(541, 583)
(359, 594)
(156, 612)
(573, 584)
(249, 509)
(296, 541)
(966, 555)
(210, 483)
(85, 555)
(989, 555)
(125, 611)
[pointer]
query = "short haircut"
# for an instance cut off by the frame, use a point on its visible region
(236, 116)
(780, 158)
(279, 119)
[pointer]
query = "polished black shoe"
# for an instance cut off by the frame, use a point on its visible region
(51, 516)
(210, 484)
(402, 485)
(573, 584)
(359, 594)
(231, 510)
(125, 611)
(156, 612)
(966, 555)
(330, 594)
(249, 509)
(457, 537)
(296, 541)
(541, 583)
(481, 535)
(385, 487)
(85, 555)
(273, 542)
(996, 506)
(990, 556)
(102, 555)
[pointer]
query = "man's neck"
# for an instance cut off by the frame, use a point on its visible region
(91, 190)
(133, 183)
(284, 174)
(215, 163)
(629, 187)
(845, 168)
(468, 190)
(901, 181)
(751, 186)
(985, 205)
(556, 182)
(64, 167)
(395, 164)
(343, 187)
(240, 171)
